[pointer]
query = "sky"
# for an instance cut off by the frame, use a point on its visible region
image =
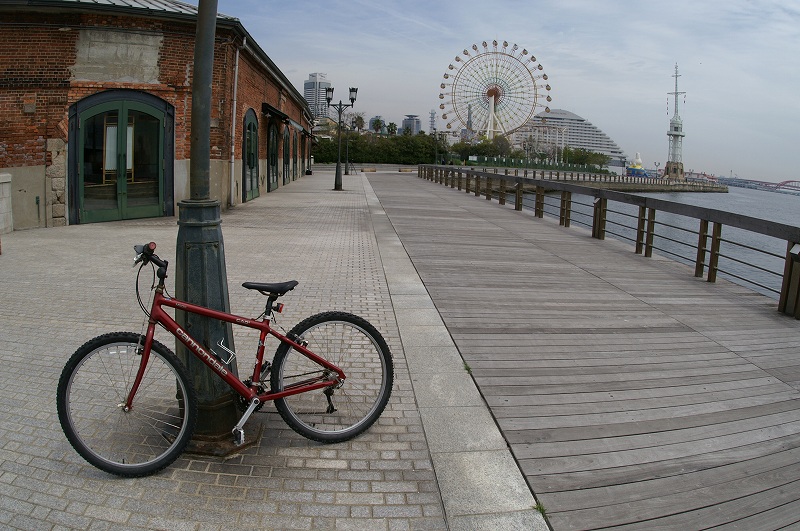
(610, 62)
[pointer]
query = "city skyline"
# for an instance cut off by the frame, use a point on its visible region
(610, 62)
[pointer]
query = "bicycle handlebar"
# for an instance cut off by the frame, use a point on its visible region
(146, 253)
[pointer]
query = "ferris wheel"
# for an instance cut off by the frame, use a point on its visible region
(493, 91)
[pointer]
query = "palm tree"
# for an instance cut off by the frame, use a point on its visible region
(377, 125)
(391, 128)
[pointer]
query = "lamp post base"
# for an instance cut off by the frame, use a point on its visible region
(201, 278)
(337, 182)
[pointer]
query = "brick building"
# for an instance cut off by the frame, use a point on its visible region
(95, 111)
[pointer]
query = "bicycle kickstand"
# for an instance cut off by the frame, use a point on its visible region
(238, 430)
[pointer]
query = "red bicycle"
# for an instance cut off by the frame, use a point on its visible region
(127, 404)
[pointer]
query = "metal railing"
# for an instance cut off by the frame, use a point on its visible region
(760, 254)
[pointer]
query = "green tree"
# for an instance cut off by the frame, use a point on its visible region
(358, 118)
(377, 125)
(464, 149)
(502, 146)
(391, 128)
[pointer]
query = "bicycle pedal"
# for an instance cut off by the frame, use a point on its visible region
(238, 437)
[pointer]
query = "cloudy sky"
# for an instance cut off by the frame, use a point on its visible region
(610, 62)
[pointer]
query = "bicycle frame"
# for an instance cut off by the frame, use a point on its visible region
(159, 316)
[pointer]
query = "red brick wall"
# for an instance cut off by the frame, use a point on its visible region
(35, 56)
(34, 78)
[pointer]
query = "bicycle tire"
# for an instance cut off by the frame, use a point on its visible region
(92, 389)
(360, 351)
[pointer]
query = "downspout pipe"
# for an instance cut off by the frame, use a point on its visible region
(232, 201)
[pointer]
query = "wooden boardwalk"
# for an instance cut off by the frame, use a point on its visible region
(632, 394)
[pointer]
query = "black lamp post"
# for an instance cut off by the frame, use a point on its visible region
(340, 107)
(200, 275)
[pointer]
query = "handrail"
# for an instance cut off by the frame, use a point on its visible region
(707, 246)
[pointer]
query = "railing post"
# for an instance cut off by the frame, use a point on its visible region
(640, 234)
(468, 178)
(501, 196)
(452, 178)
(651, 230)
(489, 184)
(458, 177)
(789, 302)
(716, 236)
(566, 208)
(539, 210)
(477, 185)
(702, 241)
(599, 218)
(518, 197)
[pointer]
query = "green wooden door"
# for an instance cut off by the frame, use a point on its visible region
(250, 158)
(272, 158)
(121, 162)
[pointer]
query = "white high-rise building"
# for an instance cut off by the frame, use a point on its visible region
(314, 94)
(412, 124)
(559, 128)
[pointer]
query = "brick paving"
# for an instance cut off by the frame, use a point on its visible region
(61, 286)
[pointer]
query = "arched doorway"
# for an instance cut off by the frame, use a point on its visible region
(272, 157)
(121, 153)
(294, 156)
(286, 154)
(250, 157)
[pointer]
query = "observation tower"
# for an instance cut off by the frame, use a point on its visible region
(674, 167)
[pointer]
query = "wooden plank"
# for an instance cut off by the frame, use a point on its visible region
(630, 392)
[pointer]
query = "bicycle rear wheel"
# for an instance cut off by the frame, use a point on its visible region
(355, 346)
(93, 388)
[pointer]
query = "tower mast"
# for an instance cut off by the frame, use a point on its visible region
(674, 167)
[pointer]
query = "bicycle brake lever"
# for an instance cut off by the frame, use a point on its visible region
(138, 259)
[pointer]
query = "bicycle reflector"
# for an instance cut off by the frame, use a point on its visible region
(278, 307)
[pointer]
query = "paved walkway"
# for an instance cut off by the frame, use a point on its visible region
(435, 459)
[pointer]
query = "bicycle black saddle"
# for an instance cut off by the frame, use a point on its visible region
(275, 288)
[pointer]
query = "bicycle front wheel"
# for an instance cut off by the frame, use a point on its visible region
(334, 414)
(93, 389)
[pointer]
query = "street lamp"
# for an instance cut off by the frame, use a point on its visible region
(340, 107)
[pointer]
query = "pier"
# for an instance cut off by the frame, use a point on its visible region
(632, 393)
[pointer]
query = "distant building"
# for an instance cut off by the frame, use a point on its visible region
(412, 124)
(314, 94)
(560, 128)
(372, 123)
